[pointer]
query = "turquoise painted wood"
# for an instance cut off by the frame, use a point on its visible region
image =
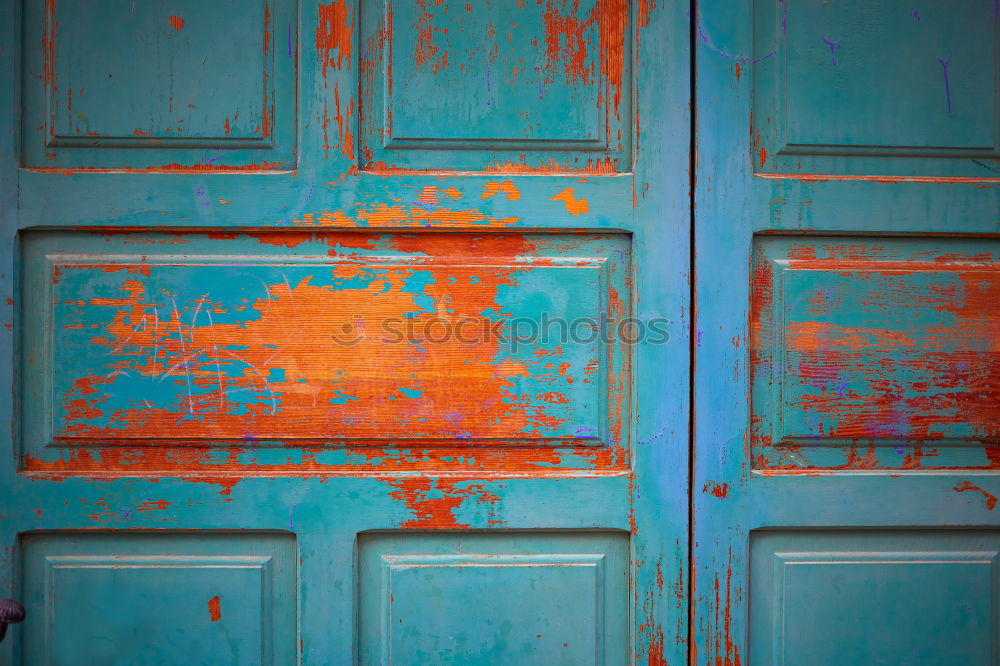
(846, 340)
(276, 275)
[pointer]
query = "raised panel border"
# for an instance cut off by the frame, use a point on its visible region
(772, 155)
(275, 152)
(45, 552)
(380, 553)
(772, 551)
(388, 152)
(776, 450)
(41, 452)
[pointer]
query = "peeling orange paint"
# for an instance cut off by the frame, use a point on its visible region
(574, 206)
(214, 609)
(334, 34)
(719, 490)
(434, 502)
(493, 187)
(153, 505)
(177, 22)
(991, 499)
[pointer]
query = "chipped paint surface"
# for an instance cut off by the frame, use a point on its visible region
(574, 206)
(184, 382)
(215, 608)
(989, 498)
(332, 339)
(904, 380)
(567, 62)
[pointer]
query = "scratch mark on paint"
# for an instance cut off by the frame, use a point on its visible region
(214, 608)
(965, 486)
(573, 205)
(833, 49)
(291, 512)
(947, 86)
(707, 41)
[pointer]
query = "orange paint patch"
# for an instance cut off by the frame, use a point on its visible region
(428, 196)
(153, 505)
(214, 609)
(574, 206)
(177, 22)
(991, 499)
(308, 382)
(434, 502)
(508, 188)
(426, 49)
(719, 490)
(334, 34)
(565, 43)
(601, 166)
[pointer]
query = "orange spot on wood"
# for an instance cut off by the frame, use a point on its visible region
(508, 188)
(574, 206)
(153, 505)
(719, 490)
(214, 609)
(177, 22)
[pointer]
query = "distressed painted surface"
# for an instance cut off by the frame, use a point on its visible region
(523, 85)
(325, 340)
(880, 354)
(845, 232)
(628, 184)
(160, 86)
(821, 107)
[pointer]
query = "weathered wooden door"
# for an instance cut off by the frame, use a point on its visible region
(847, 390)
(345, 332)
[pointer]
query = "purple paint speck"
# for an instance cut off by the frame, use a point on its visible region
(916, 15)
(289, 40)
(291, 525)
(947, 88)
(833, 48)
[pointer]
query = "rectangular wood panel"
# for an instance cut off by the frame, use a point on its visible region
(324, 340)
(507, 86)
(881, 353)
(514, 598)
(887, 597)
(101, 598)
(862, 89)
(150, 86)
